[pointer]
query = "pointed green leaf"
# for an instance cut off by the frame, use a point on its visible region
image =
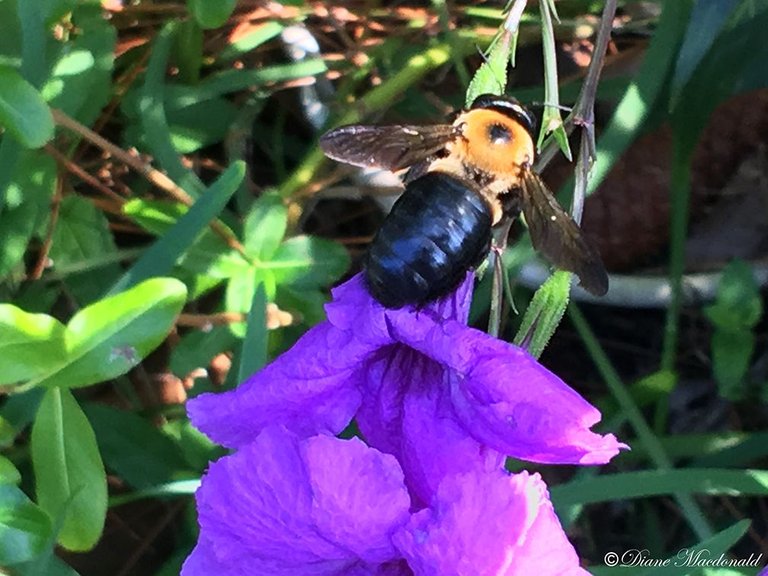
(82, 235)
(254, 351)
(544, 313)
(738, 304)
(113, 335)
(308, 261)
(133, 447)
(189, 51)
(705, 24)
(208, 254)
(27, 202)
(240, 287)
(709, 549)
(491, 77)
(69, 475)
(34, 341)
(265, 226)
(160, 258)
(211, 14)
(23, 112)
(84, 90)
(731, 353)
(9, 474)
(24, 528)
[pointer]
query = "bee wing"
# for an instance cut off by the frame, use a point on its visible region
(388, 147)
(559, 238)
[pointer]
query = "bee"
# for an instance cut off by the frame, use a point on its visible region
(463, 179)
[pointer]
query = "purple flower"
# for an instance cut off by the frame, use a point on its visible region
(285, 507)
(321, 506)
(492, 523)
(443, 398)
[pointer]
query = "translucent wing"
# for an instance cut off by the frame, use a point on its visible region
(556, 236)
(388, 147)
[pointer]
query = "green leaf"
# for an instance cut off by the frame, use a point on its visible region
(738, 304)
(201, 124)
(197, 449)
(47, 564)
(161, 257)
(19, 409)
(647, 483)
(308, 262)
(82, 235)
(731, 352)
(179, 96)
(81, 83)
(7, 431)
(254, 350)
(705, 24)
(211, 14)
(189, 51)
(708, 549)
(36, 342)
(192, 127)
(736, 53)
(240, 289)
(72, 64)
(737, 309)
(133, 448)
(113, 335)
(208, 254)
(9, 474)
(551, 121)
(69, 475)
(152, 115)
(544, 313)
(24, 528)
(100, 342)
(265, 226)
(27, 204)
(491, 77)
(23, 112)
(52, 10)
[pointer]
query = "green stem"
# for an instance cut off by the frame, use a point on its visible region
(680, 192)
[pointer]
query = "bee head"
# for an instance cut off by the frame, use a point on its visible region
(497, 137)
(509, 107)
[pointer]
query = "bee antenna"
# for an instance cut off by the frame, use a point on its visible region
(568, 109)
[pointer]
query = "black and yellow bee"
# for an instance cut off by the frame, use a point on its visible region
(463, 179)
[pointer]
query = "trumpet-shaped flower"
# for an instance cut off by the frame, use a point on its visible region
(320, 506)
(443, 398)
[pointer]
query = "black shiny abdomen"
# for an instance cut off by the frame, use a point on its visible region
(437, 230)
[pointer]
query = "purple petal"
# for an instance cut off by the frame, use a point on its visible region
(490, 523)
(506, 399)
(312, 388)
(355, 310)
(407, 412)
(284, 506)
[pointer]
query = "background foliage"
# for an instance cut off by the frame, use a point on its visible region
(168, 224)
